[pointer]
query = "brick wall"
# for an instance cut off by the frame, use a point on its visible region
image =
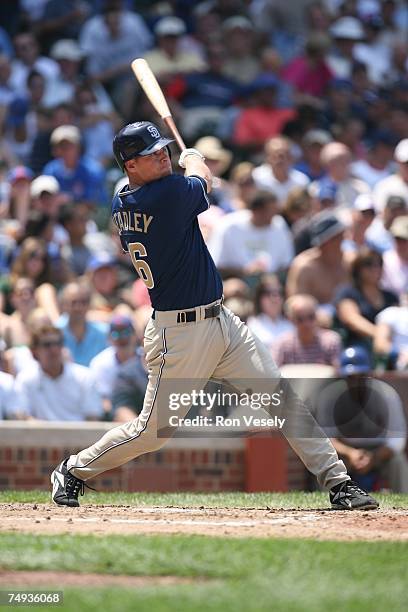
(29, 452)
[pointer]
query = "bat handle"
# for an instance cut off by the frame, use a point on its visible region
(173, 129)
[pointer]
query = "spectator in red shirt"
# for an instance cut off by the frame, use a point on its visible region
(309, 72)
(308, 343)
(262, 119)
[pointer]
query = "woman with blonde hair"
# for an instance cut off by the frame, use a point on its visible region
(32, 262)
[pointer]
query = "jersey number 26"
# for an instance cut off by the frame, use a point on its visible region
(136, 250)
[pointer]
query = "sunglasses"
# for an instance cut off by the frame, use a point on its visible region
(272, 292)
(125, 332)
(50, 343)
(306, 317)
(37, 255)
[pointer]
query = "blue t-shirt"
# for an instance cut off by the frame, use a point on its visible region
(86, 182)
(94, 341)
(158, 226)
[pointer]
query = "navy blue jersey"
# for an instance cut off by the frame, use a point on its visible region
(158, 226)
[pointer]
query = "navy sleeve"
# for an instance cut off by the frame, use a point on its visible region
(191, 195)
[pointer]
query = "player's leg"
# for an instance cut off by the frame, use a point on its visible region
(248, 364)
(181, 357)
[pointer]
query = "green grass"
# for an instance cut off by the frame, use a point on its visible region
(294, 499)
(240, 574)
(233, 574)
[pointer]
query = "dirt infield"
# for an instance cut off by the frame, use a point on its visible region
(48, 579)
(240, 522)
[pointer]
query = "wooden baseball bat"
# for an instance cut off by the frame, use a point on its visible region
(153, 91)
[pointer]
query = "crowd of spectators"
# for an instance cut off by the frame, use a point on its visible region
(301, 110)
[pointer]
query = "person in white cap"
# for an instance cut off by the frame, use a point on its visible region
(241, 61)
(346, 32)
(79, 176)
(395, 271)
(68, 55)
(361, 216)
(378, 235)
(167, 59)
(396, 184)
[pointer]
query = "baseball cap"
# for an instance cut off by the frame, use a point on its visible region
(66, 132)
(354, 360)
(348, 28)
(237, 22)
(320, 137)
(363, 202)
(120, 325)
(66, 49)
(103, 260)
(44, 184)
(401, 151)
(325, 227)
(399, 227)
(170, 26)
(19, 173)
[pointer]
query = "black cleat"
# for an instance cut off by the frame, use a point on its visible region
(349, 496)
(65, 487)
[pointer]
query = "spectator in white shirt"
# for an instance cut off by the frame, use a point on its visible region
(27, 60)
(377, 165)
(391, 336)
(8, 404)
(336, 159)
(106, 364)
(54, 390)
(276, 174)
(378, 235)
(254, 241)
(111, 41)
(268, 323)
(346, 33)
(396, 184)
(395, 261)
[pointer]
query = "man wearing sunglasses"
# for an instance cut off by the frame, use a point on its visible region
(307, 343)
(106, 366)
(54, 389)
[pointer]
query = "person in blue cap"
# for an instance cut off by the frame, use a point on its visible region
(364, 417)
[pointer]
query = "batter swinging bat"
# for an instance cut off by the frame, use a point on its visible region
(153, 91)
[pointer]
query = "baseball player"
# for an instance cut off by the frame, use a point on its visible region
(191, 334)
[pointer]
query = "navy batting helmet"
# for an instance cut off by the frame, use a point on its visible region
(355, 360)
(140, 138)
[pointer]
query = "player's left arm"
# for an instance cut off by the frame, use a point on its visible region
(194, 165)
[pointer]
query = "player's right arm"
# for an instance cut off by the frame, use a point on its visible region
(194, 165)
